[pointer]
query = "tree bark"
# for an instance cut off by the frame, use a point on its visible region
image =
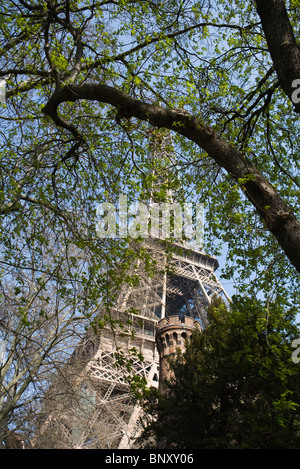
(278, 217)
(282, 44)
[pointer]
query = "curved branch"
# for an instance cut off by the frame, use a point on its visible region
(278, 217)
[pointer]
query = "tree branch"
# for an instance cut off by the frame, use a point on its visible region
(278, 217)
(281, 42)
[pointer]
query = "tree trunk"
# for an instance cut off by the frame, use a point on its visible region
(282, 44)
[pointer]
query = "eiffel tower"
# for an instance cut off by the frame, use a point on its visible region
(94, 408)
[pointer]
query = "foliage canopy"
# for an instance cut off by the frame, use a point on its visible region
(234, 386)
(88, 84)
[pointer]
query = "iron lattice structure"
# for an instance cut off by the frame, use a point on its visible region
(92, 406)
